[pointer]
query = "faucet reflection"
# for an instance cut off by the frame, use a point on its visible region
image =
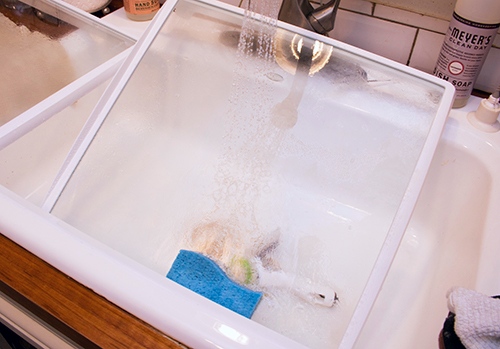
(302, 14)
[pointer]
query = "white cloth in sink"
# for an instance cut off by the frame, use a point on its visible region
(477, 318)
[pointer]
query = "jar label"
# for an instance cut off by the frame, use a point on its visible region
(136, 7)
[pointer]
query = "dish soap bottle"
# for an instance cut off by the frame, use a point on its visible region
(141, 10)
(466, 44)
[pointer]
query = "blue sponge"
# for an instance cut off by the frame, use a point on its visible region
(203, 276)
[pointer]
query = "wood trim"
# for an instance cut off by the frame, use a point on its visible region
(76, 311)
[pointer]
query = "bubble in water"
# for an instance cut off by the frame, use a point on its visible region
(274, 77)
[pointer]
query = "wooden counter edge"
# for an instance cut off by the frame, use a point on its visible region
(76, 311)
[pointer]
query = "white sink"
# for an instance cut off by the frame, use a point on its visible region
(186, 136)
(451, 240)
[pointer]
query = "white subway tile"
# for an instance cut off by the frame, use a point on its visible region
(360, 6)
(411, 18)
(489, 78)
(426, 50)
(385, 38)
(496, 42)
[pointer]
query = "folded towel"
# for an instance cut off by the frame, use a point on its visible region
(477, 318)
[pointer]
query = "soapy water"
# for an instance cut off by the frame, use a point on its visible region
(232, 229)
(240, 233)
(251, 143)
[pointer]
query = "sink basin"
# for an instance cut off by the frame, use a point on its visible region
(192, 133)
(451, 240)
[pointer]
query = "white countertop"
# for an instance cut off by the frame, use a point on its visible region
(119, 20)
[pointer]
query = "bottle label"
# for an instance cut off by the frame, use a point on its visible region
(464, 50)
(137, 7)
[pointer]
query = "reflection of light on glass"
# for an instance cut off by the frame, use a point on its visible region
(288, 53)
(298, 42)
(345, 212)
(213, 344)
(231, 333)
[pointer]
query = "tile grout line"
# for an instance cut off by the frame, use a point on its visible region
(413, 46)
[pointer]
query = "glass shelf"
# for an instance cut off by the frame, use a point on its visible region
(230, 134)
